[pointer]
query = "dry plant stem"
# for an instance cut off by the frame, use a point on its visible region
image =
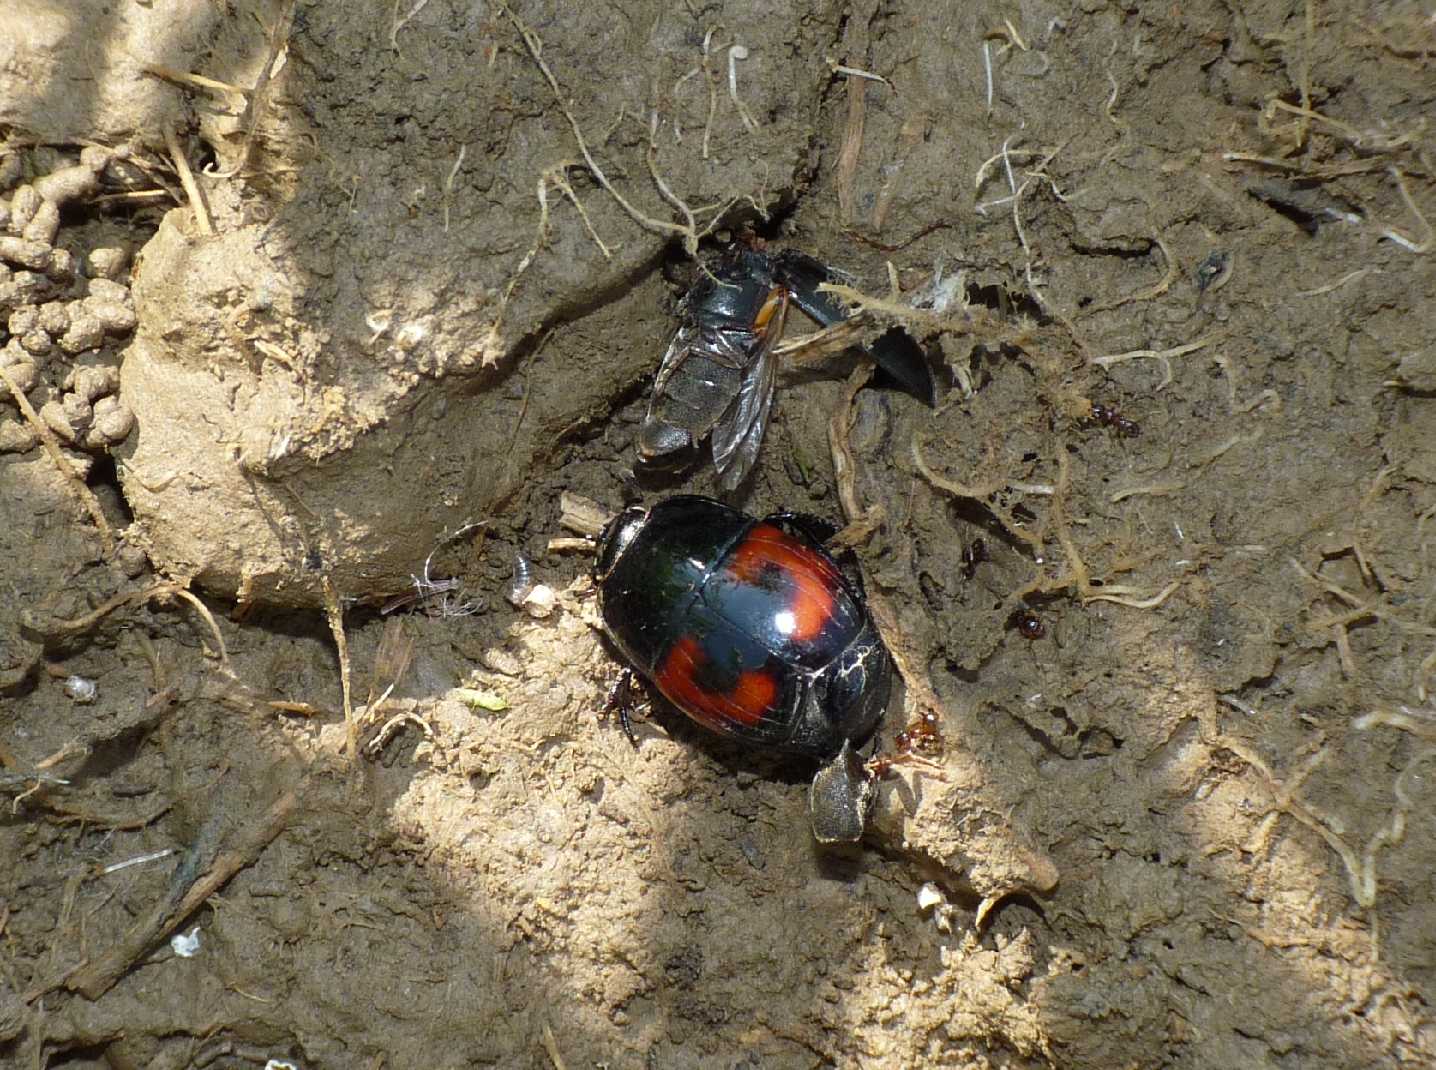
(1152, 354)
(1360, 869)
(535, 48)
(981, 494)
(712, 80)
(82, 493)
(93, 979)
(186, 176)
(583, 515)
(550, 1047)
(1154, 291)
(1350, 276)
(570, 546)
(1410, 244)
(159, 592)
(1308, 42)
(839, 427)
(910, 136)
(257, 99)
(170, 74)
(852, 148)
(334, 612)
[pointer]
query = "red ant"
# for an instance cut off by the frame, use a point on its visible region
(1111, 416)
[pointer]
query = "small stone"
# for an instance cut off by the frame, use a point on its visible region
(109, 290)
(86, 331)
(37, 341)
(44, 225)
(16, 437)
(132, 560)
(29, 287)
(113, 420)
(79, 413)
(30, 254)
(116, 318)
(12, 169)
(23, 320)
(93, 382)
(108, 262)
(53, 414)
(502, 661)
(25, 374)
(23, 206)
(55, 318)
(61, 266)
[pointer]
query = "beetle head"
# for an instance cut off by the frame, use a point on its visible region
(616, 536)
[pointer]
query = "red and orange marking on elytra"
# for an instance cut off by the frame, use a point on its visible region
(749, 700)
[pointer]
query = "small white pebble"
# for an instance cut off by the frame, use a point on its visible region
(37, 342)
(186, 945)
(280, 1064)
(930, 898)
(82, 689)
(54, 317)
(540, 601)
(410, 335)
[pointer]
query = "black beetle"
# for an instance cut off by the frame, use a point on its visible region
(751, 629)
(717, 377)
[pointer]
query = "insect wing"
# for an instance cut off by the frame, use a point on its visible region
(739, 433)
(685, 339)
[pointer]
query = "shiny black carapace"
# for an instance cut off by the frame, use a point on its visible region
(751, 629)
(717, 377)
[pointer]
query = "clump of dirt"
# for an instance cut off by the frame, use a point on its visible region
(401, 281)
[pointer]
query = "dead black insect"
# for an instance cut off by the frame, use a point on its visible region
(718, 375)
(973, 554)
(1214, 270)
(1028, 624)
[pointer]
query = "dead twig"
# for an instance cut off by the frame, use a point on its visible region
(186, 177)
(688, 232)
(334, 614)
(58, 627)
(852, 148)
(93, 978)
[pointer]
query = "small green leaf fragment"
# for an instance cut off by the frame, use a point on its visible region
(481, 699)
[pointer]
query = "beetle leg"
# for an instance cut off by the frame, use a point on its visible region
(895, 351)
(620, 701)
(802, 275)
